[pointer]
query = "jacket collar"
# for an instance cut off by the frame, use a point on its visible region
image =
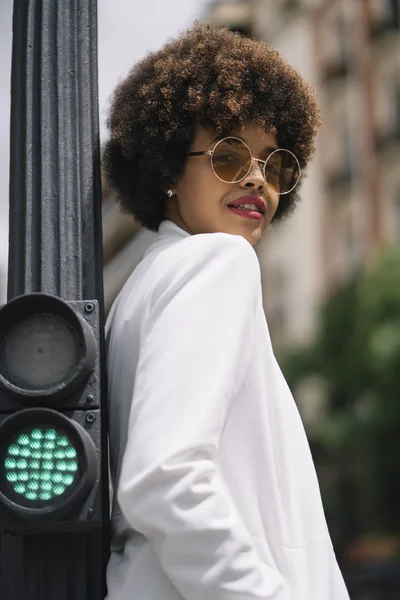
(169, 229)
(168, 233)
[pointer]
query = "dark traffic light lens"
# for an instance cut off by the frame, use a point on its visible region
(47, 348)
(40, 351)
(41, 464)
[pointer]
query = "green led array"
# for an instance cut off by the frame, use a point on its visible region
(41, 464)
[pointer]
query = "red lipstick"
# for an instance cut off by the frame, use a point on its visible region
(249, 207)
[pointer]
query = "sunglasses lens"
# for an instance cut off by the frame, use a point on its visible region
(231, 160)
(282, 171)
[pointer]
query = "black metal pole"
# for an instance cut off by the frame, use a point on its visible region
(54, 170)
(55, 242)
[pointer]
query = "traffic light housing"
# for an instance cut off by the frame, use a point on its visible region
(50, 418)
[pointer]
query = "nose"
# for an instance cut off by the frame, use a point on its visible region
(255, 177)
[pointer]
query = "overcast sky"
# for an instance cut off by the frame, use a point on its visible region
(128, 29)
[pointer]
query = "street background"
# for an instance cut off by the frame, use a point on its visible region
(330, 273)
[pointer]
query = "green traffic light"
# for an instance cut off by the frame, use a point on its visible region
(41, 464)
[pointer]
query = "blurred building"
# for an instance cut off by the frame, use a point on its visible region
(350, 51)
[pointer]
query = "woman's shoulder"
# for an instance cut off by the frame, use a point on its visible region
(206, 251)
(210, 263)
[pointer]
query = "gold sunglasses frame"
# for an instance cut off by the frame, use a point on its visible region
(264, 162)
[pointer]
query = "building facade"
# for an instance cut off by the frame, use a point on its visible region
(350, 52)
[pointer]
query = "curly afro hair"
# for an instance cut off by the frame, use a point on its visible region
(211, 77)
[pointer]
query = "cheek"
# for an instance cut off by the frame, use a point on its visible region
(274, 204)
(193, 182)
(202, 190)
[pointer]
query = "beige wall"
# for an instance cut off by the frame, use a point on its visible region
(290, 254)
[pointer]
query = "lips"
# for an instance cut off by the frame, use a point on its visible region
(256, 201)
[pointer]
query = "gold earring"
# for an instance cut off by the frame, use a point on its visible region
(170, 193)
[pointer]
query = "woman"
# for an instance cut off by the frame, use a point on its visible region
(216, 496)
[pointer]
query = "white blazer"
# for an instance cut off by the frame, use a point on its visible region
(216, 492)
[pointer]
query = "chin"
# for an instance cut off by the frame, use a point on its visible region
(253, 237)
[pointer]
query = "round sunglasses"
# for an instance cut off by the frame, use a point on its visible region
(231, 161)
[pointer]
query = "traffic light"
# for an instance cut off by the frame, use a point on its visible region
(50, 450)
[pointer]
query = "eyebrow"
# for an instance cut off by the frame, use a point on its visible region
(221, 136)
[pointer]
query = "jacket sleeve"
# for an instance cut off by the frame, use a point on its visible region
(195, 348)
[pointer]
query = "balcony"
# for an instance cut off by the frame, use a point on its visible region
(387, 139)
(342, 177)
(388, 26)
(336, 70)
(290, 5)
(235, 14)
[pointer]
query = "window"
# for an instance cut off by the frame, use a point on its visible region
(393, 12)
(386, 16)
(342, 171)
